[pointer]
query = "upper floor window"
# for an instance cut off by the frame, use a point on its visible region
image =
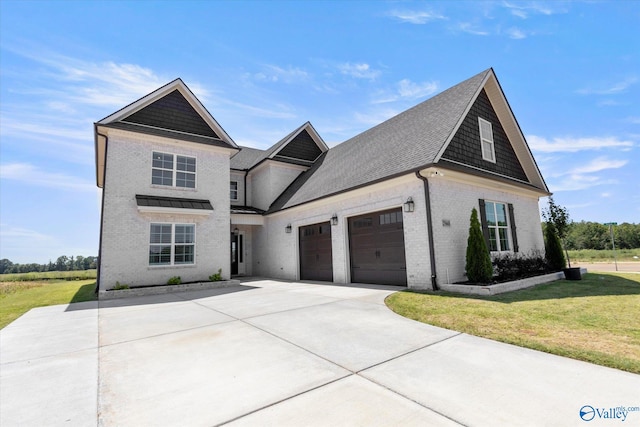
(234, 190)
(173, 170)
(496, 214)
(486, 140)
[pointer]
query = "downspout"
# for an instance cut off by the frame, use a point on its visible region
(432, 255)
(104, 185)
(245, 188)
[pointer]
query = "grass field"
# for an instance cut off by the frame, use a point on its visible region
(49, 275)
(592, 255)
(18, 297)
(596, 319)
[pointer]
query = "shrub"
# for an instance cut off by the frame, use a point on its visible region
(516, 266)
(120, 286)
(478, 260)
(217, 276)
(553, 248)
(175, 280)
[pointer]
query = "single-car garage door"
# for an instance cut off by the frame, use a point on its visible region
(315, 252)
(376, 245)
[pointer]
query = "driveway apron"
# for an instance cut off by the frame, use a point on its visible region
(287, 354)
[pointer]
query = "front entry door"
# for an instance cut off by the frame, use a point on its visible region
(237, 254)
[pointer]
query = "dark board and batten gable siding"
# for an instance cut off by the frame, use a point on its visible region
(302, 147)
(173, 112)
(465, 146)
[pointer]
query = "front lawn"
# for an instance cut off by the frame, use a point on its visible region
(596, 319)
(16, 298)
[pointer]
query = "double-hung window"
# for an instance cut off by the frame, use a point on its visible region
(234, 190)
(172, 244)
(173, 170)
(496, 214)
(486, 140)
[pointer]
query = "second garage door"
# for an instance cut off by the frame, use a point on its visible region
(315, 252)
(376, 245)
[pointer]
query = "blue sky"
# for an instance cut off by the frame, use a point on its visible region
(570, 71)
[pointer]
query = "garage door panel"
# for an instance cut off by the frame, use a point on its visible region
(316, 258)
(376, 246)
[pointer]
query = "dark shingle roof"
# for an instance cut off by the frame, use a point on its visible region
(246, 158)
(246, 210)
(409, 141)
(167, 133)
(173, 202)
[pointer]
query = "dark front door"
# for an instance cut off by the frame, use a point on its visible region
(235, 251)
(315, 252)
(376, 245)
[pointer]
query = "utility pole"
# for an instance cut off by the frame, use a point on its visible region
(613, 243)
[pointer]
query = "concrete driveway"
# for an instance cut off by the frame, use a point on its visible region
(284, 354)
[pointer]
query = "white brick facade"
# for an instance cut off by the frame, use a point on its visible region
(125, 233)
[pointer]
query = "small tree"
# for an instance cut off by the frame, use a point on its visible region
(559, 217)
(478, 261)
(553, 248)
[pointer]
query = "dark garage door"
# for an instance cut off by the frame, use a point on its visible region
(376, 244)
(315, 252)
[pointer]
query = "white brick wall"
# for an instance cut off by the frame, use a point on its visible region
(276, 252)
(453, 201)
(125, 234)
(269, 180)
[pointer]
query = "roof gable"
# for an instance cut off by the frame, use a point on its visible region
(172, 112)
(465, 148)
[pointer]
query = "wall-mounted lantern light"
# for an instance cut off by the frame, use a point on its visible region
(288, 228)
(334, 219)
(409, 206)
(236, 231)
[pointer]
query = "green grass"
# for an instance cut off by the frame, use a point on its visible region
(49, 275)
(18, 297)
(596, 319)
(592, 255)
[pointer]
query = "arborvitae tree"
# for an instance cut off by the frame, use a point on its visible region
(553, 248)
(479, 268)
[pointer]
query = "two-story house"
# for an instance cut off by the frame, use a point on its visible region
(390, 205)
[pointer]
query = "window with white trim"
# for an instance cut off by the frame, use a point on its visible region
(498, 226)
(234, 190)
(486, 140)
(173, 170)
(172, 244)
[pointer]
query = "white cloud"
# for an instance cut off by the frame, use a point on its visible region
(467, 27)
(33, 175)
(360, 71)
(573, 145)
(615, 88)
(274, 73)
(598, 164)
(7, 231)
(516, 33)
(415, 16)
(406, 89)
(523, 9)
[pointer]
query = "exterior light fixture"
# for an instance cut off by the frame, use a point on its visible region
(409, 206)
(288, 228)
(236, 231)
(334, 219)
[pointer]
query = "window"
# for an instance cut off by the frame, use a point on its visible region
(172, 244)
(178, 173)
(234, 190)
(486, 140)
(390, 218)
(496, 215)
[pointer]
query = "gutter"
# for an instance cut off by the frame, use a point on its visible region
(432, 255)
(104, 185)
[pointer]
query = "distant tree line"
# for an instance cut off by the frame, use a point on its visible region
(63, 263)
(593, 235)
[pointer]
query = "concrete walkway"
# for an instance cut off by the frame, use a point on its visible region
(283, 354)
